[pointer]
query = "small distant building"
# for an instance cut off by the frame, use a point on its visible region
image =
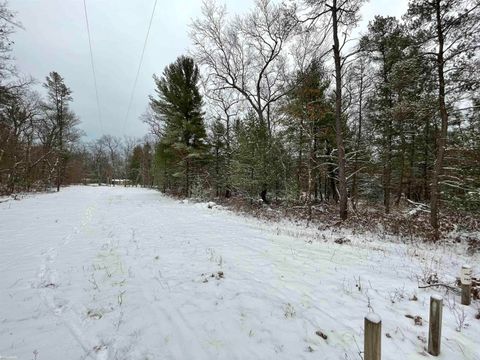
(121, 182)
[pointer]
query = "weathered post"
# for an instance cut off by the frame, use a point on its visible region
(373, 337)
(466, 284)
(435, 330)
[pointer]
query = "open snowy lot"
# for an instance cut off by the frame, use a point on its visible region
(115, 273)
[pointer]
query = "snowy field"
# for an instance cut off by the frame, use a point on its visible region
(115, 273)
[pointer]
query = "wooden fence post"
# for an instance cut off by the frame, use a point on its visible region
(435, 330)
(373, 337)
(466, 284)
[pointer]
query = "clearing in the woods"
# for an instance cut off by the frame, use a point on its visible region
(127, 273)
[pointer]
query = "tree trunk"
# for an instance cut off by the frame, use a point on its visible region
(357, 144)
(387, 173)
(442, 136)
(411, 170)
(402, 171)
(342, 179)
(309, 185)
(300, 162)
(187, 178)
(426, 192)
(60, 117)
(228, 192)
(217, 171)
(387, 166)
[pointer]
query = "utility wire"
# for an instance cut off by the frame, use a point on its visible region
(93, 67)
(139, 67)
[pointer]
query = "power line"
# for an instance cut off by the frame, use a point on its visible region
(139, 67)
(93, 67)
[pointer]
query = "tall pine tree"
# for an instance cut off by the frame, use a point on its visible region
(183, 140)
(449, 34)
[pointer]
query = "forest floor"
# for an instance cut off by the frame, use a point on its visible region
(126, 273)
(406, 222)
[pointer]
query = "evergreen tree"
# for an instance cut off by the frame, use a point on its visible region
(61, 119)
(385, 44)
(135, 165)
(448, 31)
(219, 171)
(179, 106)
(462, 173)
(310, 127)
(146, 165)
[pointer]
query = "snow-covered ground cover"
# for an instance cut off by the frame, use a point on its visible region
(116, 273)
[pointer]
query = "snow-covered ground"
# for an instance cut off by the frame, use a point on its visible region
(115, 273)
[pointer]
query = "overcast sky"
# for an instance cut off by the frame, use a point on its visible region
(55, 38)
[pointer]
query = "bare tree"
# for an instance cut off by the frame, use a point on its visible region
(247, 54)
(7, 28)
(359, 83)
(99, 161)
(224, 105)
(112, 147)
(343, 17)
(18, 122)
(154, 122)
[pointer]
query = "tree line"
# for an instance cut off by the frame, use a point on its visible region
(37, 133)
(283, 104)
(41, 145)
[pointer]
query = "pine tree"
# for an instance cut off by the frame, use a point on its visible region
(449, 34)
(310, 120)
(179, 106)
(385, 43)
(219, 171)
(135, 165)
(250, 156)
(61, 118)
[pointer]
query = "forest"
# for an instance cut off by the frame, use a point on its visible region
(283, 106)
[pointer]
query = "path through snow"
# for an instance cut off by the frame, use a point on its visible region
(114, 273)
